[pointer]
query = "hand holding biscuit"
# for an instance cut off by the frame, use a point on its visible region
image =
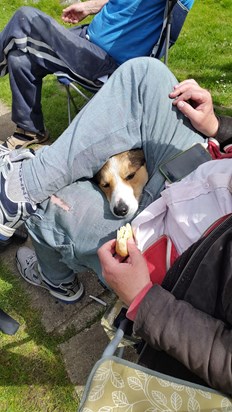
(127, 277)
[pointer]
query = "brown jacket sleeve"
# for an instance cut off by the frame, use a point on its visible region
(200, 342)
(224, 134)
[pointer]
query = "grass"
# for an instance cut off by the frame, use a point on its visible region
(203, 51)
(32, 375)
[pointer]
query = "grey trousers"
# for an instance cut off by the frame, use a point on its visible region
(132, 110)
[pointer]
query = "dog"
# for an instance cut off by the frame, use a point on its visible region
(122, 179)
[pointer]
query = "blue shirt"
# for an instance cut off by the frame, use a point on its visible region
(129, 28)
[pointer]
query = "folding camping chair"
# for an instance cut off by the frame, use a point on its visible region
(116, 384)
(174, 17)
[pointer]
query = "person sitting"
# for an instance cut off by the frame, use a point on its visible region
(33, 45)
(69, 218)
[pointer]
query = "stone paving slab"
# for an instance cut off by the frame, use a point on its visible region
(6, 125)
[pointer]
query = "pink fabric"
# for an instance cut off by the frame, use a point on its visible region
(133, 308)
(214, 150)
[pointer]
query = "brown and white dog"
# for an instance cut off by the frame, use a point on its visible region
(122, 179)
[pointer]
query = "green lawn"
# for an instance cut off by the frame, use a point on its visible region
(203, 51)
(32, 376)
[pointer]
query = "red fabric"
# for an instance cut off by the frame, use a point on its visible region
(159, 259)
(160, 256)
(133, 308)
(216, 153)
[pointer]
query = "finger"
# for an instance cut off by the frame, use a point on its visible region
(134, 252)
(188, 111)
(67, 9)
(197, 96)
(185, 88)
(107, 248)
(186, 82)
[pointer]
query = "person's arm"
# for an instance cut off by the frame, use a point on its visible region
(224, 133)
(200, 342)
(79, 11)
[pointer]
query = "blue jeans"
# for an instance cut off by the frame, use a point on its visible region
(132, 110)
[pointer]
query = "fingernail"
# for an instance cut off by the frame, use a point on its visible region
(180, 104)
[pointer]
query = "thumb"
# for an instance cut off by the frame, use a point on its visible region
(186, 109)
(133, 250)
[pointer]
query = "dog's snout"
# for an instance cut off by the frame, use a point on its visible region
(121, 209)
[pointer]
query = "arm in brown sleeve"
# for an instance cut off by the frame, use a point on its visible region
(224, 134)
(202, 343)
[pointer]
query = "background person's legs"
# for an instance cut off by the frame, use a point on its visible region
(33, 45)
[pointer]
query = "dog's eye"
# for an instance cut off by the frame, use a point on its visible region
(105, 185)
(131, 176)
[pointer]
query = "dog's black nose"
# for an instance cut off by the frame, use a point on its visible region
(121, 209)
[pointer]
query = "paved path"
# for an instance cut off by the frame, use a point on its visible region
(88, 341)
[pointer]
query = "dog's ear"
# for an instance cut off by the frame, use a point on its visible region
(136, 157)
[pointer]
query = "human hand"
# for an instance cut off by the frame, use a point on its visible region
(126, 277)
(79, 11)
(76, 12)
(196, 104)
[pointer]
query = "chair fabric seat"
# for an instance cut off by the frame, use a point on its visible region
(117, 383)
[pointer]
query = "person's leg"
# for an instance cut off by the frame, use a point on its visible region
(132, 110)
(33, 45)
(26, 84)
(65, 235)
(68, 229)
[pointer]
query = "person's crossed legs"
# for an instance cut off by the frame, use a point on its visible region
(33, 45)
(132, 110)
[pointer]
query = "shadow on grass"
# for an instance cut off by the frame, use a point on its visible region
(31, 355)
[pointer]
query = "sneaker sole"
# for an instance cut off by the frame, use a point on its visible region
(67, 299)
(31, 142)
(63, 299)
(25, 143)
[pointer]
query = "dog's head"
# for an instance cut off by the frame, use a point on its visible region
(122, 179)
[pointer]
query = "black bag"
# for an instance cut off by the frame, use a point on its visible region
(202, 275)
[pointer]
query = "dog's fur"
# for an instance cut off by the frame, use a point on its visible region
(122, 179)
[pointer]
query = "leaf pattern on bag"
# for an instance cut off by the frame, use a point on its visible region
(159, 397)
(226, 405)
(144, 392)
(96, 392)
(135, 384)
(141, 375)
(177, 386)
(102, 374)
(176, 401)
(163, 383)
(207, 395)
(193, 405)
(191, 392)
(117, 380)
(120, 399)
